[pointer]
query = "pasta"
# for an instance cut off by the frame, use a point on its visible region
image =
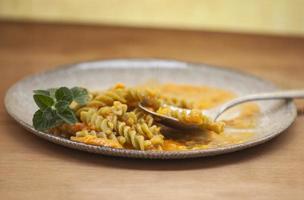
(112, 118)
(132, 129)
(195, 117)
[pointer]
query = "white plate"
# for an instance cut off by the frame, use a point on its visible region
(276, 115)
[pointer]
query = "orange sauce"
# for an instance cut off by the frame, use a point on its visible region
(89, 139)
(241, 118)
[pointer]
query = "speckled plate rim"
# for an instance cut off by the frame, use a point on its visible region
(149, 154)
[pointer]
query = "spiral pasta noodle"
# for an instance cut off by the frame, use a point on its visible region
(107, 98)
(194, 117)
(146, 118)
(96, 121)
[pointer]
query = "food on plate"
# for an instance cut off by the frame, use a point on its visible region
(111, 117)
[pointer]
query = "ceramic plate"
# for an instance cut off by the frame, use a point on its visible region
(275, 116)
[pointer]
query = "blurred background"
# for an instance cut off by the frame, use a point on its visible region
(281, 17)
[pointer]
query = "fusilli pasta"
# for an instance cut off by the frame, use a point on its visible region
(112, 118)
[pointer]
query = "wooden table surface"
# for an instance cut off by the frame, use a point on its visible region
(31, 168)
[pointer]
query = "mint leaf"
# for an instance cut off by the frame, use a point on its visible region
(61, 106)
(67, 116)
(54, 106)
(46, 119)
(38, 120)
(43, 101)
(80, 95)
(52, 92)
(42, 92)
(64, 94)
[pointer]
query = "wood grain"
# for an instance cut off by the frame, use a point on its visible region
(31, 168)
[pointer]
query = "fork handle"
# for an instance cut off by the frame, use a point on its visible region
(287, 94)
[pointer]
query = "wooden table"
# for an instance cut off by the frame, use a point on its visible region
(31, 168)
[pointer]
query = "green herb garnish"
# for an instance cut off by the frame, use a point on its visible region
(54, 106)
